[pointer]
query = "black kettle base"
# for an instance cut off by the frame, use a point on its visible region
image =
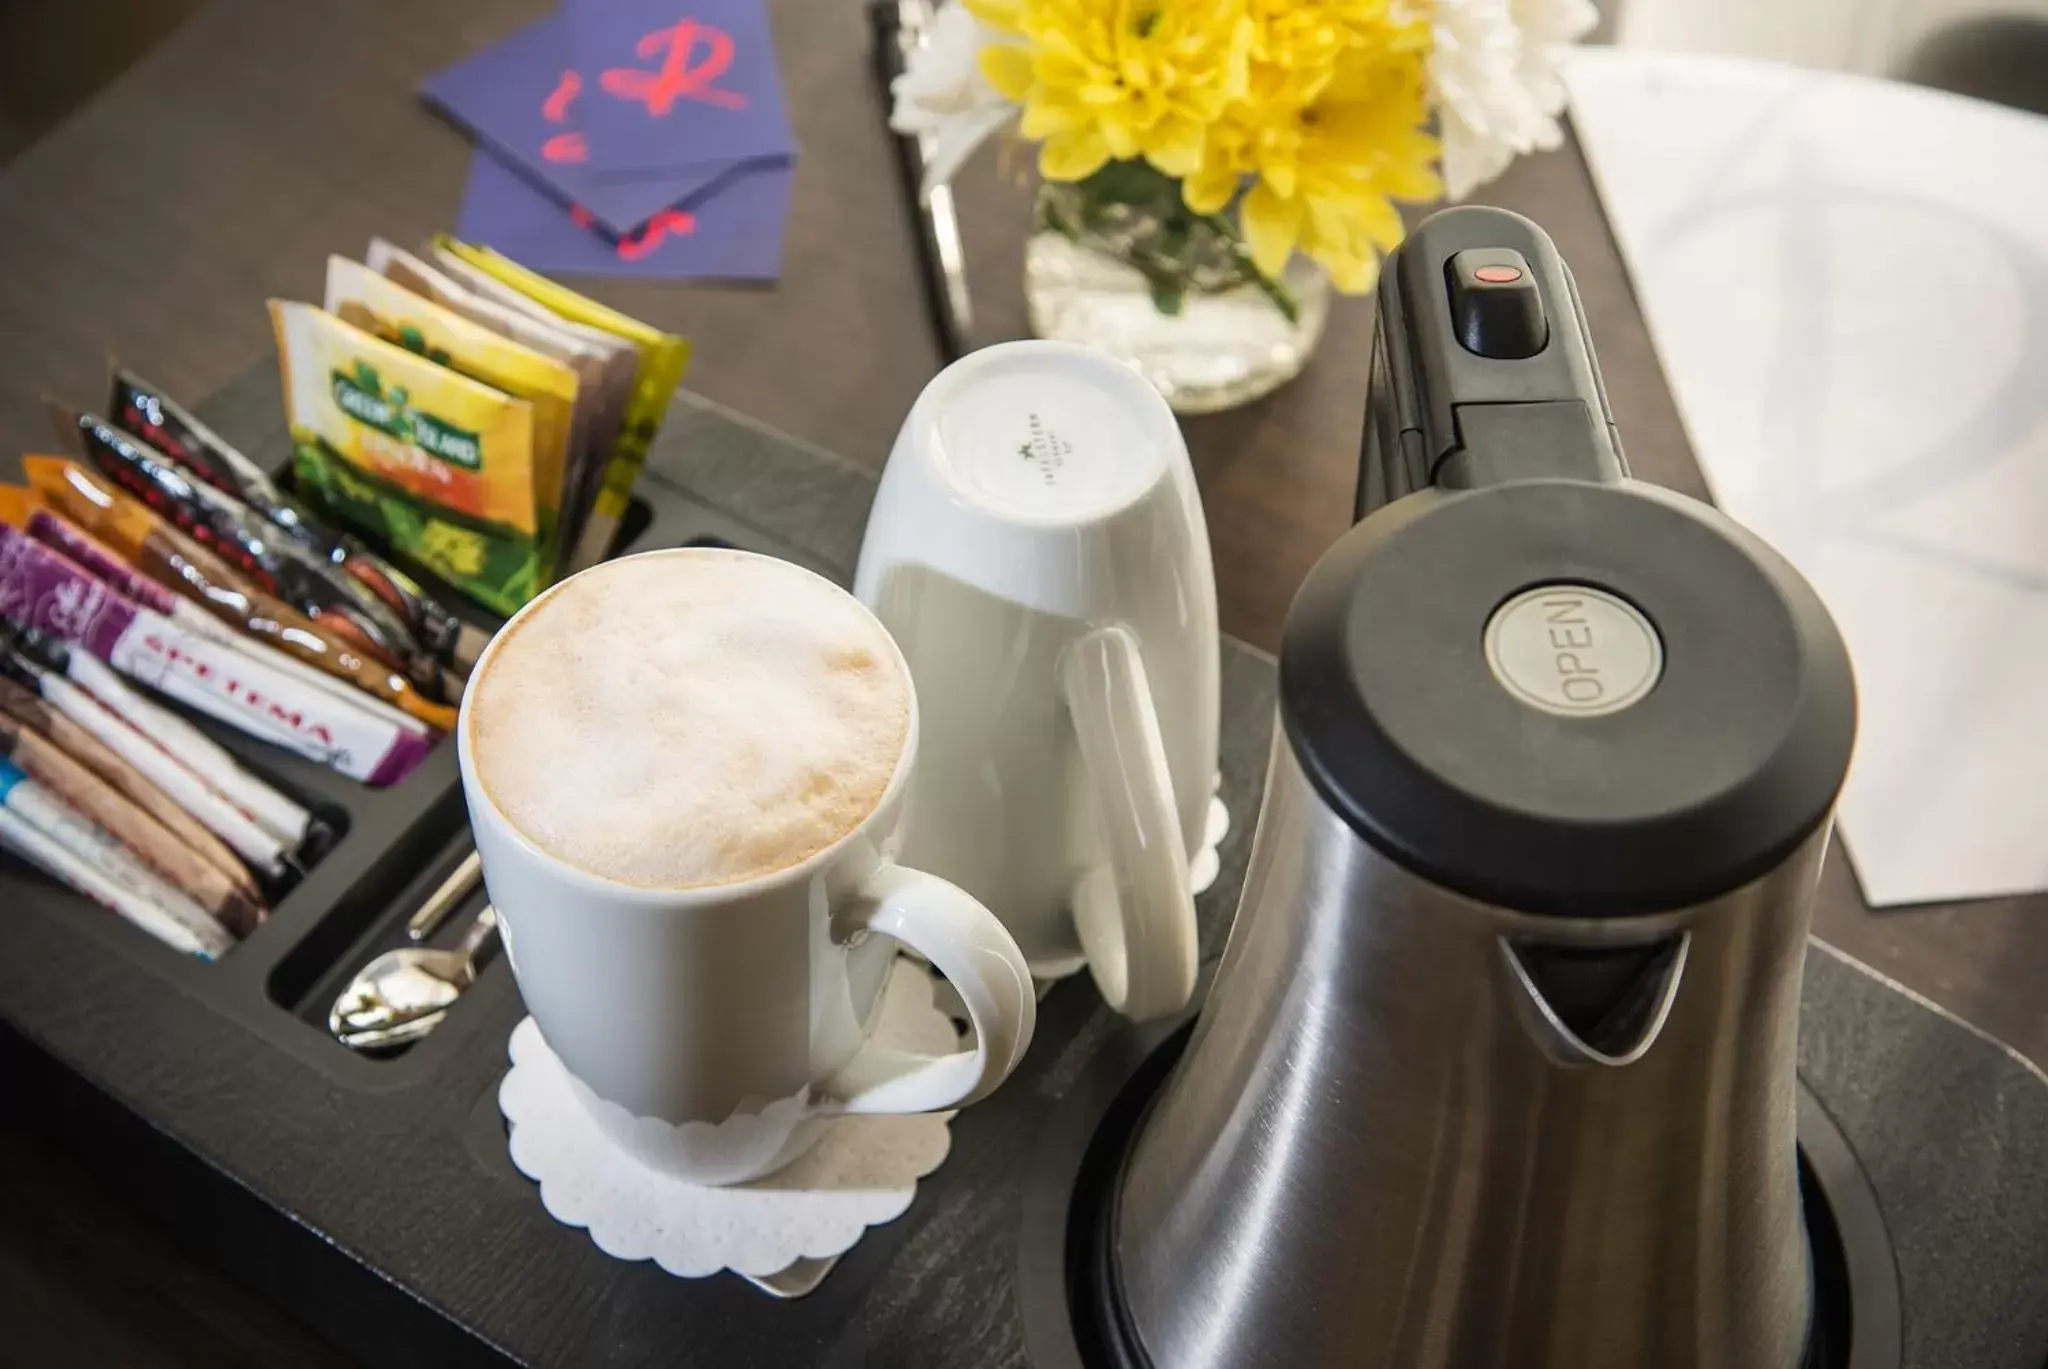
(1074, 1316)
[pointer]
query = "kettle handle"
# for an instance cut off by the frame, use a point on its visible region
(1482, 369)
(1136, 918)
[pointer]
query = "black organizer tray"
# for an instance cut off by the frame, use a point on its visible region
(394, 846)
(375, 1197)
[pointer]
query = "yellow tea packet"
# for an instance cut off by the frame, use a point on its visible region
(604, 364)
(437, 465)
(361, 297)
(663, 358)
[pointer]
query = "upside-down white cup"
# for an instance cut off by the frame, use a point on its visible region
(1037, 549)
(712, 1031)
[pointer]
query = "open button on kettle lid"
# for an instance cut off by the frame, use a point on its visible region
(1573, 650)
(1525, 675)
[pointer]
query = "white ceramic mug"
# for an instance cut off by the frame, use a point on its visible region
(712, 1031)
(1038, 551)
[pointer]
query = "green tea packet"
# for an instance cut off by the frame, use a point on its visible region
(436, 465)
(604, 365)
(663, 359)
(359, 296)
(622, 373)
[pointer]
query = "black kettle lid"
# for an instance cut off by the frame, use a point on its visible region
(1524, 676)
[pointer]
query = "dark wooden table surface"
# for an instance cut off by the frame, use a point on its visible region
(262, 136)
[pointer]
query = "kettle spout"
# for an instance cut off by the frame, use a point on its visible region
(1595, 1005)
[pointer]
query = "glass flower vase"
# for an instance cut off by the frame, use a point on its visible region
(1125, 268)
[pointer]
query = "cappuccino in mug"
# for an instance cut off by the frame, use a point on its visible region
(689, 719)
(685, 771)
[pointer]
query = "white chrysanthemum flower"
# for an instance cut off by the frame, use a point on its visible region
(1495, 83)
(944, 97)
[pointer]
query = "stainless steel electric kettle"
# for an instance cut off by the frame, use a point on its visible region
(1498, 1067)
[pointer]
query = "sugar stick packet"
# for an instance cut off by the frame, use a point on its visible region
(150, 777)
(178, 812)
(42, 588)
(177, 562)
(347, 612)
(55, 859)
(604, 364)
(160, 421)
(42, 760)
(215, 788)
(663, 359)
(62, 822)
(51, 816)
(53, 663)
(437, 465)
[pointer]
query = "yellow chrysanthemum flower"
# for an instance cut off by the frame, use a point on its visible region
(1332, 127)
(1102, 79)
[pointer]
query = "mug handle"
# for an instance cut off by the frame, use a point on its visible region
(976, 953)
(1135, 919)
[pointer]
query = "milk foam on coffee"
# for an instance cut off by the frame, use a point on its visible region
(689, 718)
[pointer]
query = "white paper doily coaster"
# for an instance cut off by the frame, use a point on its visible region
(863, 1172)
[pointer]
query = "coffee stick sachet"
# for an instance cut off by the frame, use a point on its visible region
(156, 418)
(256, 547)
(179, 563)
(18, 504)
(230, 529)
(210, 598)
(42, 588)
(264, 827)
(90, 877)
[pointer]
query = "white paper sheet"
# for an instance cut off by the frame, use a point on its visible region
(1847, 282)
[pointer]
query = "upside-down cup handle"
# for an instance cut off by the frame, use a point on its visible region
(1135, 917)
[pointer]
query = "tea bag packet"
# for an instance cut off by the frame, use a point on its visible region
(153, 416)
(604, 365)
(663, 357)
(621, 372)
(437, 465)
(388, 310)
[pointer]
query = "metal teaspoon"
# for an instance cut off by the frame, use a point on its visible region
(391, 1000)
